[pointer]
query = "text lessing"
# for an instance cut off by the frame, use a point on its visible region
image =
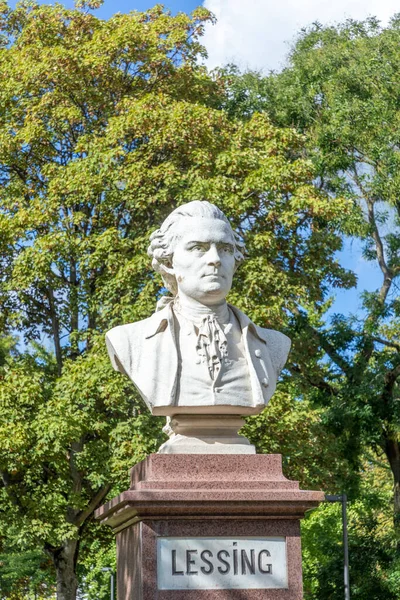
(232, 562)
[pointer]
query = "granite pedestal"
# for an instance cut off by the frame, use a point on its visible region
(198, 504)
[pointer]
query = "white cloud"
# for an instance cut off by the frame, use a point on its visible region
(258, 33)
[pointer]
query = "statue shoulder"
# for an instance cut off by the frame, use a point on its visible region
(119, 342)
(278, 345)
(120, 334)
(125, 341)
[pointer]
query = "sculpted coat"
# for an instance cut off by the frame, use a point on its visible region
(147, 352)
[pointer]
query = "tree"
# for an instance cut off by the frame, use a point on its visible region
(105, 126)
(65, 234)
(339, 89)
(373, 560)
(25, 574)
(295, 429)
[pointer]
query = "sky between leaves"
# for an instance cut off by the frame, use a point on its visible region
(257, 34)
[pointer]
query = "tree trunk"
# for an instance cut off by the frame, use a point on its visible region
(56, 330)
(393, 454)
(65, 562)
(397, 507)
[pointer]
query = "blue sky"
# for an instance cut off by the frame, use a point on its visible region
(111, 7)
(257, 33)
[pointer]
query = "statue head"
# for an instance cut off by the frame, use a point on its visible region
(197, 252)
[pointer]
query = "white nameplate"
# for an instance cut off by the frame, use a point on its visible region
(221, 563)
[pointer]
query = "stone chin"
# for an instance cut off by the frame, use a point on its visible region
(211, 296)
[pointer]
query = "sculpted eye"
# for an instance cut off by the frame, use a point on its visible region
(197, 247)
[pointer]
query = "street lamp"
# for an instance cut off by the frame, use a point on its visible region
(343, 499)
(104, 569)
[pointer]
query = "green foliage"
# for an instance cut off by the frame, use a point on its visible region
(339, 90)
(105, 126)
(24, 574)
(310, 454)
(7, 346)
(372, 552)
(318, 460)
(97, 553)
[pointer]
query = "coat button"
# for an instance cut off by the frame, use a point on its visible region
(264, 382)
(258, 353)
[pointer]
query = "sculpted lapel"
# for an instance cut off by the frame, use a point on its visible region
(146, 351)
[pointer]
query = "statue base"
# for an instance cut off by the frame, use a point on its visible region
(209, 528)
(205, 434)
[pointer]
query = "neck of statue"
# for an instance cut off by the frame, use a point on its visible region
(196, 311)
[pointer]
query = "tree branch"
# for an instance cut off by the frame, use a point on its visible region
(379, 340)
(324, 344)
(56, 329)
(387, 273)
(390, 380)
(315, 381)
(93, 504)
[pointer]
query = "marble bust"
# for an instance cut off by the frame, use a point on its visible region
(198, 355)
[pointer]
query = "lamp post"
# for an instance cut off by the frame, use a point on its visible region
(104, 569)
(343, 499)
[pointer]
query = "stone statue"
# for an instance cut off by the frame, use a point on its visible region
(199, 355)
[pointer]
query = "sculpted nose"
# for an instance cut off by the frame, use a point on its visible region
(213, 257)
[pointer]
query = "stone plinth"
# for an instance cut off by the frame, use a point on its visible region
(213, 497)
(206, 434)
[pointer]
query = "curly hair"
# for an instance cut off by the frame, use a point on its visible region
(163, 240)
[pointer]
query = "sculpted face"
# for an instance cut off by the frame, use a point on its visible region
(203, 260)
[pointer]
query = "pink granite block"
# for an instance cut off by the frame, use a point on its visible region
(144, 562)
(187, 469)
(205, 496)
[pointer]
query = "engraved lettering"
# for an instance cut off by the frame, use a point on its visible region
(190, 561)
(210, 569)
(268, 569)
(224, 562)
(221, 563)
(173, 560)
(247, 563)
(235, 562)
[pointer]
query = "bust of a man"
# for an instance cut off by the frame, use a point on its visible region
(198, 354)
